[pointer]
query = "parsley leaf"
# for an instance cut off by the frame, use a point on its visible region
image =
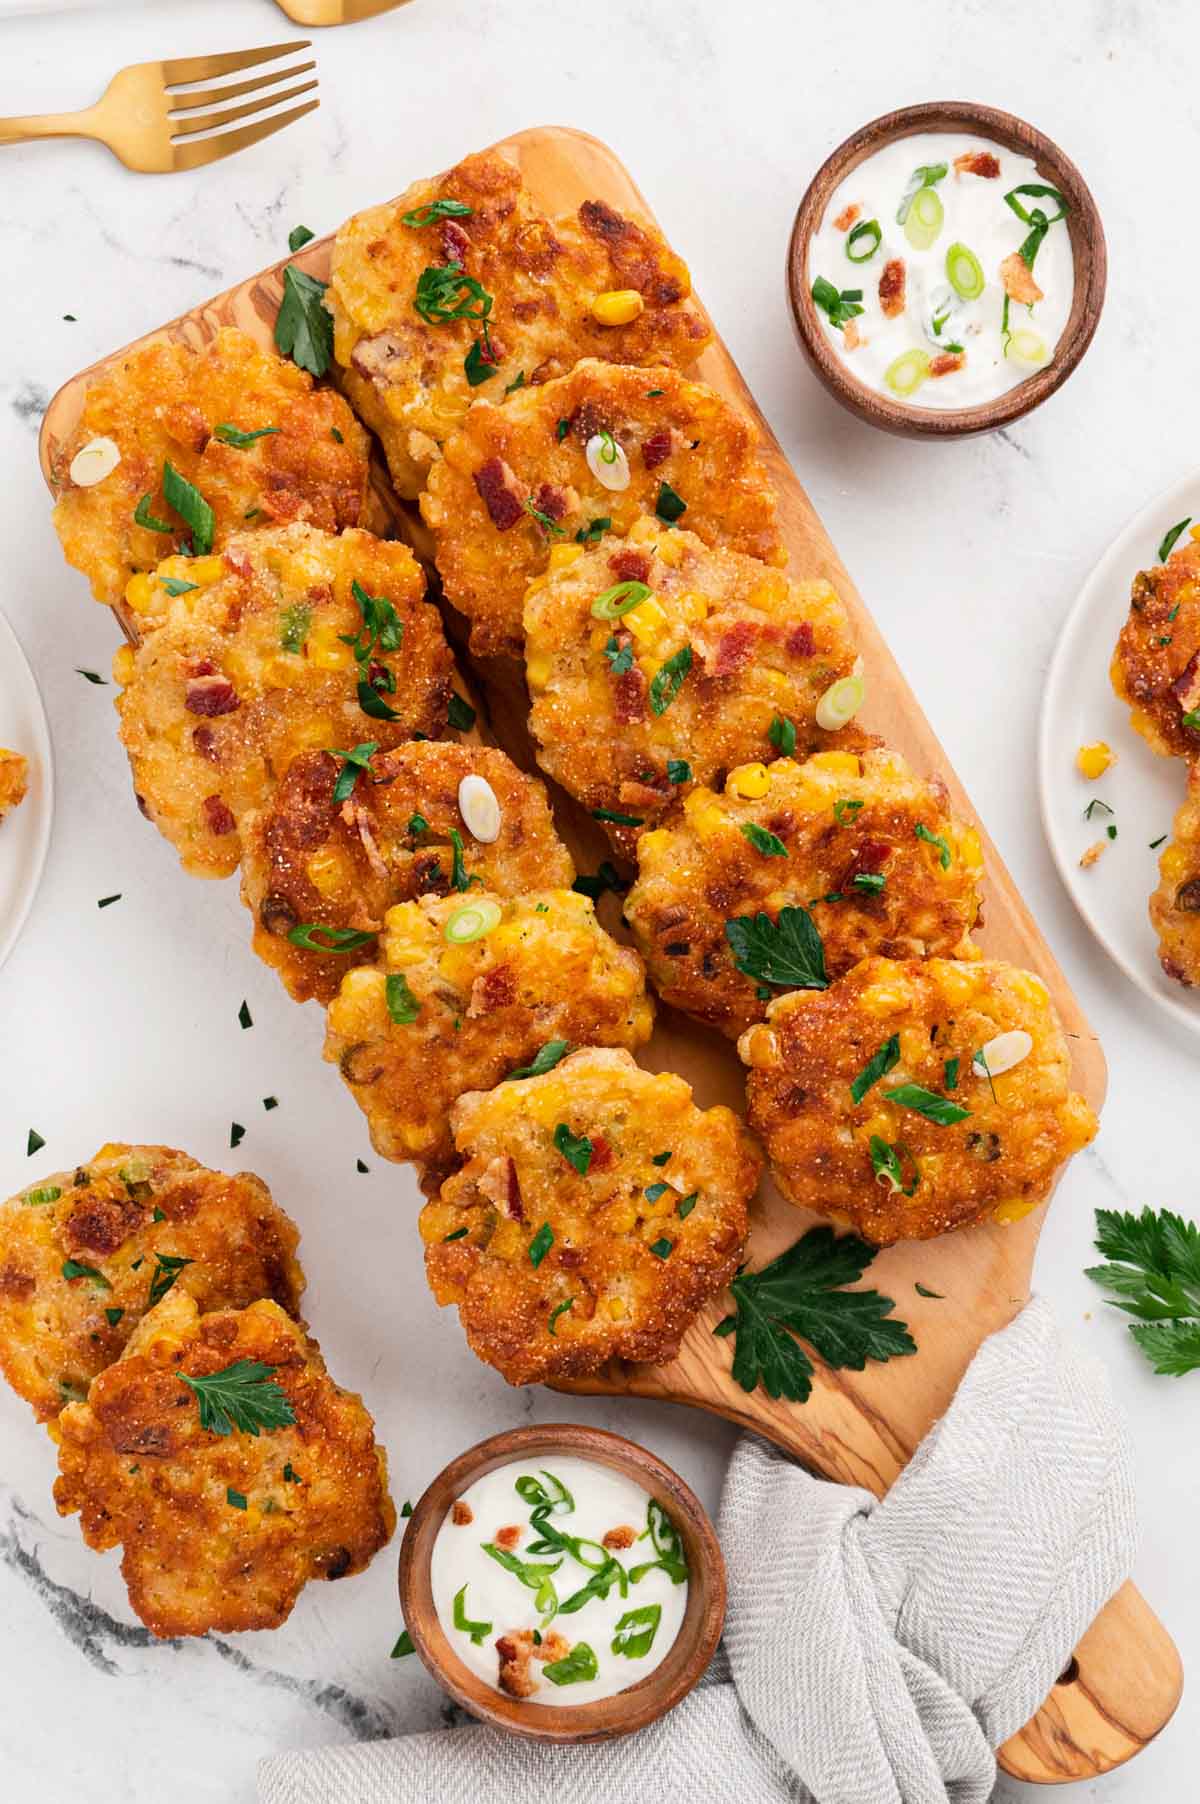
(354, 763)
(576, 1149)
(787, 952)
(591, 535)
(303, 326)
(460, 714)
(241, 1396)
(402, 1005)
(678, 770)
(767, 843)
(164, 1275)
(1154, 1274)
(800, 1294)
(437, 209)
(669, 505)
(782, 734)
(298, 237)
(546, 1060)
(620, 657)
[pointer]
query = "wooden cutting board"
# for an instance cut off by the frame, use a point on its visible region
(860, 1428)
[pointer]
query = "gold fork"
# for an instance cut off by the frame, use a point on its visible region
(153, 129)
(335, 12)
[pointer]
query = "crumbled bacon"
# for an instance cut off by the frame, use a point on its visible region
(492, 990)
(500, 493)
(210, 695)
(630, 690)
(1187, 684)
(602, 1158)
(217, 816)
(455, 243)
(461, 1513)
(657, 448)
(624, 1536)
(946, 362)
(1019, 284)
(800, 641)
(735, 648)
(546, 371)
(570, 1258)
(508, 1536)
(851, 336)
(498, 1182)
(373, 357)
(847, 217)
(870, 858)
(204, 742)
(978, 162)
(525, 311)
(517, 1652)
(556, 500)
(891, 288)
(630, 565)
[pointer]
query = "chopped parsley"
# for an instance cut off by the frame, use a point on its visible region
(922, 1291)
(592, 535)
(576, 1149)
(167, 1269)
(950, 1074)
(561, 430)
(678, 770)
(620, 657)
(686, 1204)
(541, 1243)
(404, 1645)
(34, 1143)
(669, 506)
(607, 878)
(662, 1249)
(235, 1499)
(782, 734)
(1171, 538)
(767, 843)
(75, 1268)
(237, 1133)
(92, 676)
(787, 952)
(242, 1396)
(435, 210)
(245, 1019)
(517, 382)
(354, 763)
(107, 901)
(303, 325)
(298, 237)
(550, 1055)
(402, 1005)
(477, 364)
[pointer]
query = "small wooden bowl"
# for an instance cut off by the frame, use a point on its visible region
(606, 1718)
(1087, 249)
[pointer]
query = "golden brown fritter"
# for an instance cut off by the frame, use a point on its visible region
(1175, 904)
(222, 1530)
(838, 835)
(436, 1018)
(1156, 664)
(583, 1242)
(308, 858)
(531, 454)
(249, 669)
(164, 404)
(85, 1254)
(14, 780)
(884, 1167)
(408, 376)
(629, 712)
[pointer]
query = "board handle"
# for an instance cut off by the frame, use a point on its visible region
(1119, 1690)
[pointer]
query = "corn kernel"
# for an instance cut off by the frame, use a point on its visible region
(645, 530)
(647, 622)
(748, 782)
(141, 592)
(709, 821)
(122, 665)
(1094, 760)
(969, 849)
(845, 764)
(1014, 1210)
(670, 549)
(201, 570)
(563, 555)
(957, 986)
(884, 999)
(418, 1139)
(616, 1308)
(617, 307)
(326, 870)
(537, 670)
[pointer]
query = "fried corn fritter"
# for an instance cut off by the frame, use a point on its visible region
(85, 1254)
(870, 849)
(222, 1528)
(14, 780)
(309, 858)
(517, 480)
(682, 686)
(593, 284)
(443, 1013)
(1175, 904)
(1156, 665)
(596, 1212)
(306, 458)
(250, 667)
(932, 1142)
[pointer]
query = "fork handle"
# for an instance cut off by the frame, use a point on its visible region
(47, 125)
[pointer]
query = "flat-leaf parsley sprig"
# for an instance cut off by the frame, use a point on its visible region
(1153, 1271)
(243, 1396)
(800, 1294)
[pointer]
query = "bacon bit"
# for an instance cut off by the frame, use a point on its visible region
(657, 448)
(217, 817)
(630, 689)
(946, 362)
(357, 818)
(851, 336)
(455, 243)
(507, 1537)
(734, 649)
(556, 500)
(1187, 684)
(525, 311)
(494, 989)
(373, 357)
(800, 642)
(512, 1197)
(518, 1650)
(602, 1158)
(624, 1536)
(210, 695)
(1092, 854)
(546, 371)
(199, 667)
(204, 742)
(498, 1183)
(237, 562)
(1019, 284)
(320, 592)
(630, 566)
(891, 288)
(978, 162)
(587, 420)
(570, 1258)
(847, 217)
(461, 1513)
(500, 493)
(870, 857)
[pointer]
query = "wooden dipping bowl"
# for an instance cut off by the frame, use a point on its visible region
(1087, 249)
(605, 1718)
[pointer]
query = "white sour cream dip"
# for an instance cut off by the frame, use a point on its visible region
(950, 299)
(603, 1645)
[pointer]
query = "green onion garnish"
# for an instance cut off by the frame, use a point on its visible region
(618, 600)
(863, 241)
(840, 308)
(924, 219)
(964, 272)
(1169, 542)
(471, 922)
(905, 374)
(926, 176)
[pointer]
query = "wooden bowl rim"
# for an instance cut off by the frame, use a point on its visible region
(1088, 249)
(603, 1719)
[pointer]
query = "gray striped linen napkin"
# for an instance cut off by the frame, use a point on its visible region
(875, 1652)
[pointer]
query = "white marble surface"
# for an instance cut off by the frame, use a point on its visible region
(124, 1022)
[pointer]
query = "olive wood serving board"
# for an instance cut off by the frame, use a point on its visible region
(859, 1428)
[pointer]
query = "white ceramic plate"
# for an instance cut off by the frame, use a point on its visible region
(25, 833)
(1142, 789)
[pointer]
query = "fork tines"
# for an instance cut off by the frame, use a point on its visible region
(187, 123)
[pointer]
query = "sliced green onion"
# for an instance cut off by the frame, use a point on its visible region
(618, 600)
(905, 374)
(471, 922)
(841, 702)
(924, 220)
(964, 272)
(867, 237)
(1027, 348)
(925, 176)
